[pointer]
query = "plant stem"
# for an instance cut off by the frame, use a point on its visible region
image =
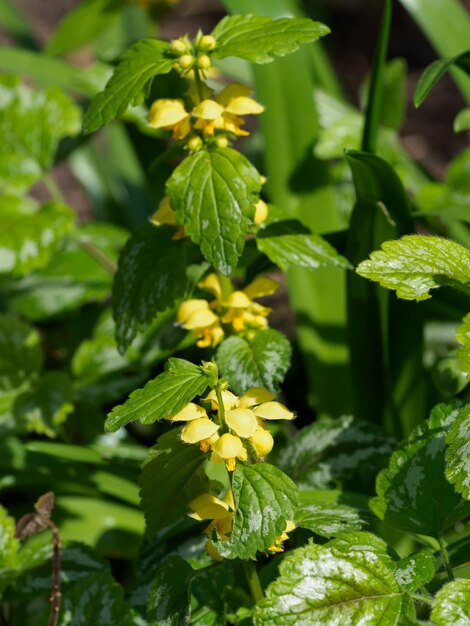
(220, 402)
(198, 83)
(419, 598)
(55, 595)
(253, 581)
(372, 118)
(445, 558)
(53, 188)
(108, 264)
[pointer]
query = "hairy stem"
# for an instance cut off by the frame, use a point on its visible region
(445, 558)
(251, 574)
(56, 564)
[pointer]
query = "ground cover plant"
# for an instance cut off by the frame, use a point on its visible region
(170, 452)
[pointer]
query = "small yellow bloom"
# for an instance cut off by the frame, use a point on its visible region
(262, 442)
(195, 315)
(229, 448)
(261, 212)
(211, 283)
(229, 399)
(190, 412)
(199, 430)
(208, 506)
(254, 396)
(273, 411)
(277, 546)
(170, 114)
(165, 215)
(242, 422)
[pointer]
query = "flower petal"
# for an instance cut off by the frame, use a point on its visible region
(234, 90)
(211, 283)
(199, 429)
(228, 446)
(261, 212)
(273, 411)
(190, 412)
(242, 421)
(244, 106)
(237, 300)
(263, 442)
(260, 287)
(229, 399)
(208, 110)
(208, 506)
(164, 214)
(255, 395)
(165, 113)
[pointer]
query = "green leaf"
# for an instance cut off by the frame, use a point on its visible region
(33, 122)
(334, 450)
(462, 121)
(162, 397)
(265, 500)
(416, 264)
(393, 96)
(82, 25)
(214, 193)
(262, 39)
(73, 276)
(324, 517)
(413, 493)
(151, 276)
(458, 453)
(324, 585)
(463, 337)
(169, 600)
(98, 600)
(20, 352)
(261, 360)
(415, 570)
(169, 481)
(130, 82)
(452, 604)
(9, 545)
(46, 405)
(29, 233)
(290, 244)
(434, 72)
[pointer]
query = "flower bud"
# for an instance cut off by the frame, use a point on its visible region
(262, 442)
(203, 62)
(194, 143)
(186, 61)
(179, 47)
(222, 142)
(207, 43)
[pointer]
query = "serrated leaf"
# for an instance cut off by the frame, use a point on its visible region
(72, 277)
(323, 585)
(151, 276)
(29, 233)
(458, 453)
(44, 407)
(214, 193)
(415, 264)
(32, 124)
(463, 353)
(261, 360)
(413, 493)
(434, 72)
(169, 481)
(130, 82)
(265, 500)
(290, 244)
(169, 599)
(324, 517)
(162, 397)
(83, 24)
(451, 605)
(334, 450)
(415, 570)
(20, 352)
(262, 39)
(98, 600)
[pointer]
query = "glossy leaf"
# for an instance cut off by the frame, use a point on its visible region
(44, 407)
(290, 244)
(415, 264)
(262, 39)
(20, 352)
(162, 397)
(169, 481)
(452, 604)
(214, 193)
(324, 585)
(169, 599)
(458, 453)
(9, 545)
(434, 72)
(325, 518)
(130, 82)
(463, 353)
(334, 450)
(414, 571)
(413, 493)
(265, 500)
(34, 122)
(29, 233)
(259, 360)
(151, 276)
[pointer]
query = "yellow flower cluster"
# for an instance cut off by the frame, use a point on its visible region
(221, 116)
(233, 428)
(220, 513)
(236, 309)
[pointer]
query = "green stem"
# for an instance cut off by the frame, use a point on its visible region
(372, 118)
(419, 598)
(251, 574)
(445, 558)
(198, 82)
(53, 188)
(220, 402)
(106, 263)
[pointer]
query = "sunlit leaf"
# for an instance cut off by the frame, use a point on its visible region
(458, 453)
(452, 604)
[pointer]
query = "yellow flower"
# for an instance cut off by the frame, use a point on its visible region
(209, 507)
(165, 215)
(170, 114)
(201, 430)
(224, 112)
(188, 413)
(262, 442)
(261, 212)
(228, 448)
(229, 399)
(242, 312)
(273, 411)
(277, 545)
(195, 315)
(242, 422)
